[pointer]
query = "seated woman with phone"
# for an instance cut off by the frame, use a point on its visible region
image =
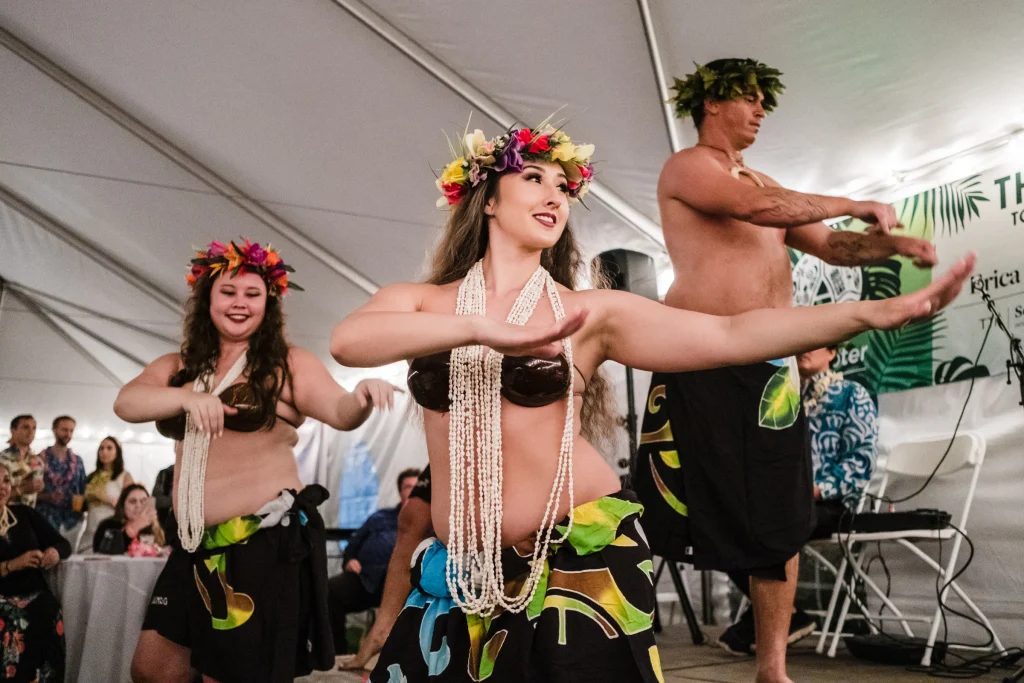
(134, 529)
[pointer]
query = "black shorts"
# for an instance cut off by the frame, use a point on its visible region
(724, 468)
(253, 611)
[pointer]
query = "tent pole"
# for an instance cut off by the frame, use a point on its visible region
(659, 75)
(95, 314)
(71, 341)
(480, 101)
(67, 320)
(161, 144)
(87, 248)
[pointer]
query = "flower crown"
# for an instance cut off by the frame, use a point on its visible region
(250, 257)
(728, 79)
(509, 152)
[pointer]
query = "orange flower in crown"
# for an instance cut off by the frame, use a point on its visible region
(249, 257)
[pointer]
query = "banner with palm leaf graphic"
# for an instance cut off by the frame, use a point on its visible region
(983, 213)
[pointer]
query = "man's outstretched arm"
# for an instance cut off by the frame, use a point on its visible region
(701, 183)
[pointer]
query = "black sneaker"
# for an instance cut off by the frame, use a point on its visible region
(738, 639)
(801, 625)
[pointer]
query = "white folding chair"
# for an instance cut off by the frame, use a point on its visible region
(873, 489)
(914, 460)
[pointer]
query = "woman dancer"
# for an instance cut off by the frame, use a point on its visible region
(540, 571)
(243, 598)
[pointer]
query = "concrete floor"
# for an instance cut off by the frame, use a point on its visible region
(683, 662)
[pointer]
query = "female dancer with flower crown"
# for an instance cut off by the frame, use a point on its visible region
(540, 570)
(243, 597)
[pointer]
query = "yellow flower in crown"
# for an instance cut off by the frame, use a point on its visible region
(455, 172)
(507, 153)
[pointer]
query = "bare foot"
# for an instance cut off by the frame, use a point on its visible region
(765, 678)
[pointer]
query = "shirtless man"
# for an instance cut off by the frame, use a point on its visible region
(724, 472)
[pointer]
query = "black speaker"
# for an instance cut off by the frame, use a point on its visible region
(630, 271)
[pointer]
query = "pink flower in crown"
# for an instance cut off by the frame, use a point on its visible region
(586, 171)
(257, 254)
(216, 249)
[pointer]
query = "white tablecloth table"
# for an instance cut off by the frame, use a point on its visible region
(104, 599)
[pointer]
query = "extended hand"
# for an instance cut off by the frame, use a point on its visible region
(376, 393)
(922, 252)
(32, 558)
(207, 411)
(895, 313)
(523, 340)
(883, 216)
(50, 558)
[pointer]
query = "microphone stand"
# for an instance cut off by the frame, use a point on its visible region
(1016, 360)
(1015, 363)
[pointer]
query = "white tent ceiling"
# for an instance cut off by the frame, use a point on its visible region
(130, 132)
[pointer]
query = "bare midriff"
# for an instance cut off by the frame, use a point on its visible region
(530, 441)
(245, 470)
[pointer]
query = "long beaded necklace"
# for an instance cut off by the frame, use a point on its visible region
(474, 570)
(194, 452)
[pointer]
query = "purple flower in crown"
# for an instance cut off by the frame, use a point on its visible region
(476, 173)
(510, 159)
(257, 254)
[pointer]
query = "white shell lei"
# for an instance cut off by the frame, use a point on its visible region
(475, 577)
(7, 521)
(194, 451)
(820, 384)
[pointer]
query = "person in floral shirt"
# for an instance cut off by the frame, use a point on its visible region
(26, 467)
(31, 625)
(63, 497)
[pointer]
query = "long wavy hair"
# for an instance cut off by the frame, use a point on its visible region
(464, 242)
(267, 366)
(116, 467)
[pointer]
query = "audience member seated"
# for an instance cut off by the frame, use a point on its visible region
(26, 467)
(843, 424)
(103, 487)
(133, 529)
(361, 585)
(31, 628)
(63, 497)
(414, 526)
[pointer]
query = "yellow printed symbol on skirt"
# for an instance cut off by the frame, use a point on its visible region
(240, 606)
(780, 400)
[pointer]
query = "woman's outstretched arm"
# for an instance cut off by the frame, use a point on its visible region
(646, 335)
(392, 327)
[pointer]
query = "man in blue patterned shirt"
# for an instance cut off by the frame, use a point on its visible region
(843, 425)
(842, 422)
